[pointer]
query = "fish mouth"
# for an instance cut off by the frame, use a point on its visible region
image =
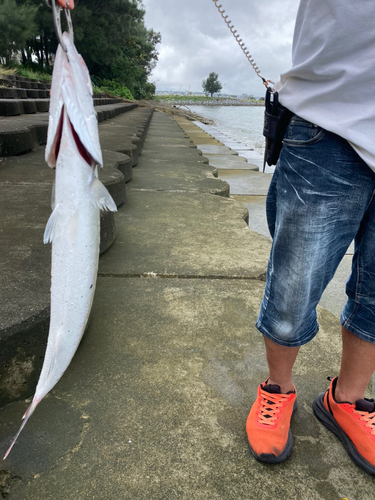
(79, 144)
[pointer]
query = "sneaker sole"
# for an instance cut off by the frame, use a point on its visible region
(330, 423)
(269, 458)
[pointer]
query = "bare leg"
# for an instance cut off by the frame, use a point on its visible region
(357, 367)
(280, 362)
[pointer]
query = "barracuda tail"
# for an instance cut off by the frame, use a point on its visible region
(25, 418)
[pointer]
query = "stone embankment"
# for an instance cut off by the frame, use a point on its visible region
(154, 403)
(216, 102)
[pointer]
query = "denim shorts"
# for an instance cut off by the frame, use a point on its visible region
(321, 198)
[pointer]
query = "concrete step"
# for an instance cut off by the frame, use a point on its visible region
(17, 107)
(173, 164)
(22, 93)
(126, 135)
(23, 82)
(12, 93)
(27, 85)
(20, 134)
(246, 182)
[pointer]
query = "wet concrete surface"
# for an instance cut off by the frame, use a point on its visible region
(157, 395)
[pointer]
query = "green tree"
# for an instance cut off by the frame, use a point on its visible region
(212, 85)
(39, 47)
(16, 26)
(110, 35)
(115, 43)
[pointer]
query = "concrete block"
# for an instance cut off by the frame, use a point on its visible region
(17, 142)
(29, 107)
(215, 150)
(42, 105)
(35, 94)
(10, 107)
(21, 94)
(245, 182)
(230, 162)
(23, 84)
(7, 93)
(20, 134)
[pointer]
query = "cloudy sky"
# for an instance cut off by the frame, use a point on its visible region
(196, 41)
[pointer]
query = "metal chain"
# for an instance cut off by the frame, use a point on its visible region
(240, 43)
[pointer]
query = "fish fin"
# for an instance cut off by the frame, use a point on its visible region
(101, 197)
(26, 417)
(51, 225)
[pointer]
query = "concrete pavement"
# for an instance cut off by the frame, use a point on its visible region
(153, 405)
(250, 189)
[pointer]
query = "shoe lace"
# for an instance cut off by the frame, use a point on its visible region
(368, 418)
(270, 408)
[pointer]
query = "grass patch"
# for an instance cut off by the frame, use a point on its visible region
(7, 71)
(99, 86)
(36, 75)
(26, 72)
(110, 87)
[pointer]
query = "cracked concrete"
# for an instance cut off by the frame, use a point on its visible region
(155, 400)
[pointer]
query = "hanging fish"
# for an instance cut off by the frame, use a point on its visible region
(74, 226)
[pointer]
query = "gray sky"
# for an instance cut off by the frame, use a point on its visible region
(196, 41)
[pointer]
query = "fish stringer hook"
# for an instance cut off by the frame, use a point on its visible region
(57, 6)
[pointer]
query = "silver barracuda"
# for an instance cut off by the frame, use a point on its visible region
(74, 226)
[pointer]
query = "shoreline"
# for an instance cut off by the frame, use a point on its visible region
(175, 111)
(217, 104)
(181, 108)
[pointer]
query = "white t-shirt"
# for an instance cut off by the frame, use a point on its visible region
(332, 81)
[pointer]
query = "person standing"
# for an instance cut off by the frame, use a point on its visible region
(322, 196)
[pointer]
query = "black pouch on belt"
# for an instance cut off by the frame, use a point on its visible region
(276, 121)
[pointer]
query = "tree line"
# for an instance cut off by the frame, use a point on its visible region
(109, 34)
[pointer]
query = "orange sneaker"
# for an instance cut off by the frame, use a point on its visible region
(268, 424)
(353, 424)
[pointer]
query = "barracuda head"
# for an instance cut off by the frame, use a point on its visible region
(71, 88)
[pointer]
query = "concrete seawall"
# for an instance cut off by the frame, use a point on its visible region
(154, 403)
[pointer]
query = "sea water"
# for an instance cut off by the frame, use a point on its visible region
(238, 127)
(242, 123)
